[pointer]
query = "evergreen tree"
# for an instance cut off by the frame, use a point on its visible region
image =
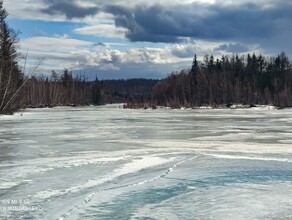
(11, 78)
(96, 92)
(193, 79)
(195, 66)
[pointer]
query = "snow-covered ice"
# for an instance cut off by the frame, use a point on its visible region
(112, 163)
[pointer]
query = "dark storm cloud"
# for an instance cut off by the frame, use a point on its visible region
(100, 44)
(199, 21)
(232, 48)
(126, 18)
(69, 8)
(245, 23)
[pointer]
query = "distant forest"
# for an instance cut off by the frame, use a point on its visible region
(244, 80)
(66, 90)
(249, 79)
(18, 90)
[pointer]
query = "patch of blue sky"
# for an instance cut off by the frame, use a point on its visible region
(36, 28)
(39, 28)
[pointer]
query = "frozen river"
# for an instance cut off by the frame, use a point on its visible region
(110, 163)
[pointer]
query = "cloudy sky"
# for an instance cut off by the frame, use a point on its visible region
(145, 38)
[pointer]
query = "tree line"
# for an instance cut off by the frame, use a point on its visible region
(11, 76)
(130, 90)
(252, 79)
(20, 91)
(61, 90)
(65, 89)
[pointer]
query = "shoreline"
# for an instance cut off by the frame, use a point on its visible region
(207, 107)
(143, 106)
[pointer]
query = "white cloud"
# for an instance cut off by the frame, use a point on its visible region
(29, 9)
(104, 30)
(60, 52)
(63, 52)
(56, 44)
(56, 52)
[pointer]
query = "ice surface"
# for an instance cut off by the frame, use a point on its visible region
(110, 163)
